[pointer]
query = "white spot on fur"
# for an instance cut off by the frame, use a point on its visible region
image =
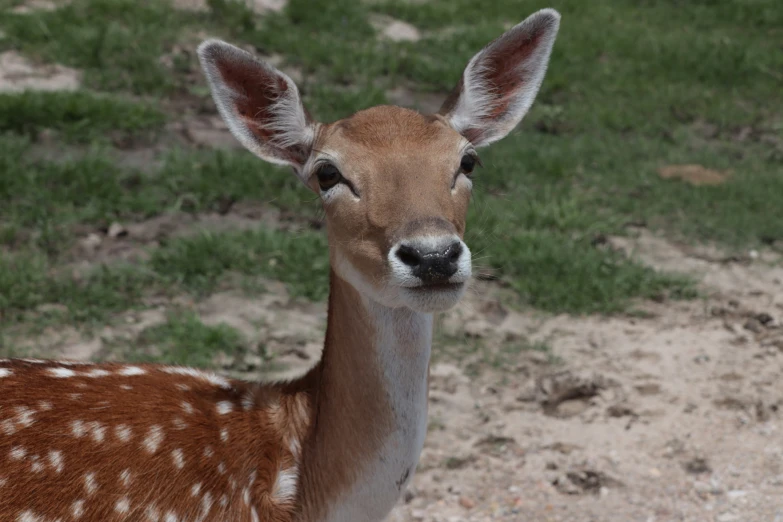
(122, 506)
(206, 505)
(254, 514)
(198, 374)
(24, 416)
(78, 429)
(194, 491)
(132, 370)
(126, 386)
(98, 431)
(97, 372)
(224, 407)
(183, 387)
(153, 515)
(224, 501)
(90, 485)
(77, 509)
(285, 484)
(222, 468)
(187, 407)
(154, 439)
(179, 423)
(171, 517)
(179, 458)
(44, 405)
(248, 401)
(208, 452)
(224, 435)
(29, 516)
(5, 372)
(8, 427)
(61, 373)
(17, 453)
(3, 480)
(125, 477)
(36, 465)
(246, 496)
(123, 432)
(56, 460)
(76, 396)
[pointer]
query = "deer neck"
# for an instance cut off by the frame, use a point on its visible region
(369, 408)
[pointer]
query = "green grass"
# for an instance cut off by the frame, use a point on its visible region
(78, 116)
(197, 264)
(633, 86)
(184, 340)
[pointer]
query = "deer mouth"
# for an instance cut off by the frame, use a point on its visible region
(444, 286)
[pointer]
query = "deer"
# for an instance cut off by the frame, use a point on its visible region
(111, 441)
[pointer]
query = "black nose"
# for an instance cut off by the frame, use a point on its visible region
(432, 266)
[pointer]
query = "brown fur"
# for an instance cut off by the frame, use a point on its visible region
(403, 165)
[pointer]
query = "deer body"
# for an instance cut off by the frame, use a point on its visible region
(146, 442)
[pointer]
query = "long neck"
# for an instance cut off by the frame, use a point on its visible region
(369, 408)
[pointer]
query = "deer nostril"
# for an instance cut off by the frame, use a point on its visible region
(454, 252)
(409, 255)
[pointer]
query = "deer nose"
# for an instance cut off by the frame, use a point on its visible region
(431, 266)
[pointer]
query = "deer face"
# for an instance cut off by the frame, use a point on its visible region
(395, 184)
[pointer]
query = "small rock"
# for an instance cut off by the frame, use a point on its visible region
(764, 318)
(754, 325)
(736, 494)
(395, 30)
(90, 243)
(117, 230)
(467, 502)
(697, 465)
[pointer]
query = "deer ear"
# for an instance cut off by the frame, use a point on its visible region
(500, 83)
(260, 104)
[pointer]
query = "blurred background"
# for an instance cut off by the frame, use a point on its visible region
(618, 357)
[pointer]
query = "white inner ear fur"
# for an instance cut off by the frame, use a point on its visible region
(474, 106)
(288, 120)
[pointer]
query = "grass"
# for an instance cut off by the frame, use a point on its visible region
(632, 87)
(184, 340)
(78, 116)
(196, 264)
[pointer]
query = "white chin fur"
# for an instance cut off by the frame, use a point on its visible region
(429, 301)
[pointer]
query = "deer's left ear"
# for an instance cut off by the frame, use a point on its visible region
(500, 83)
(260, 104)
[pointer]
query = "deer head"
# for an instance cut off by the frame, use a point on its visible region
(395, 184)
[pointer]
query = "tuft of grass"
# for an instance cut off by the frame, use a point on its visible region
(196, 264)
(79, 116)
(185, 340)
(27, 282)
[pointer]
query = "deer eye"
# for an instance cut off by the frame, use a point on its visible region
(468, 164)
(328, 176)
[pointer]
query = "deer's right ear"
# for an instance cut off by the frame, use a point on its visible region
(260, 104)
